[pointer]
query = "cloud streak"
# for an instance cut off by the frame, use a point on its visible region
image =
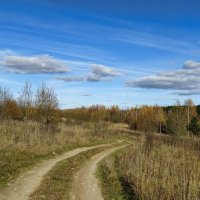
(155, 41)
(185, 81)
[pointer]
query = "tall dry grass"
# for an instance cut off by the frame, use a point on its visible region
(28, 136)
(23, 144)
(160, 169)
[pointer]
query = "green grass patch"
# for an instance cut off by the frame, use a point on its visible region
(14, 162)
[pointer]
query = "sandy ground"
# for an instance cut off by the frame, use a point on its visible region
(85, 185)
(26, 183)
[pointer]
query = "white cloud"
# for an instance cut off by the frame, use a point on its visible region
(39, 64)
(98, 73)
(191, 65)
(104, 71)
(186, 80)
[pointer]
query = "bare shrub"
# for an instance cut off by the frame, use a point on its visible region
(26, 101)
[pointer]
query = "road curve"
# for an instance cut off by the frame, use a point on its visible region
(27, 182)
(85, 185)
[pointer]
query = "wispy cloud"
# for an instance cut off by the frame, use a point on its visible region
(156, 41)
(186, 80)
(86, 95)
(71, 78)
(187, 93)
(54, 46)
(100, 34)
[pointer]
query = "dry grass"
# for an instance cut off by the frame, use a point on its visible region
(163, 169)
(28, 136)
(23, 144)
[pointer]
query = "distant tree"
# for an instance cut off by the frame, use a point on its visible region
(194, 126)
(114, 114)
(177, 121)
(5, 97)
(198, 110)
(160, 117)
(132, 118)
(26, 101)
(46, 104)
(190, 110)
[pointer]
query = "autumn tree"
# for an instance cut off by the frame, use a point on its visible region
(159, 117)
(146, 118)
(12, 110)
(177, 120)
(132, 118)
(46, 104)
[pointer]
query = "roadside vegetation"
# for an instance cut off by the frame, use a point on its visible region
(23, 145)
(155, 168)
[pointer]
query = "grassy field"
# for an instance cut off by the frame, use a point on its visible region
(23, 144)
(155, 168)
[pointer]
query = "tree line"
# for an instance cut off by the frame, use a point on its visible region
(43, 107)
(178, 119)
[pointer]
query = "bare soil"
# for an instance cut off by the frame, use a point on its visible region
(85, 185)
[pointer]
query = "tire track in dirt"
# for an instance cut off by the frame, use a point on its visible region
(85, 185)
(27, 182)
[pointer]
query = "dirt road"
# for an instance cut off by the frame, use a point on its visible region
(85, 185)
(26, 183)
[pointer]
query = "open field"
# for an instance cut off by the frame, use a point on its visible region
(154, 166)
(23, 145)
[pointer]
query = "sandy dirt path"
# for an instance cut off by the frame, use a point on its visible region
(27, 182)
(85, 185)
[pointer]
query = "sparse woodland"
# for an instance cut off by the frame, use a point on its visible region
(162, 163)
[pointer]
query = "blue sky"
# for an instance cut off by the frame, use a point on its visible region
(103, 52)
